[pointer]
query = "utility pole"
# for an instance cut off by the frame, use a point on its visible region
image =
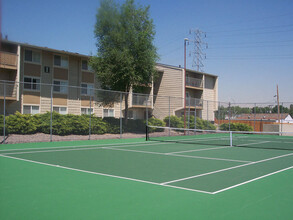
(199, 45)
(278, 100)
(185, 41)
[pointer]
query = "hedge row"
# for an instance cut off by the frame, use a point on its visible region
(71, 124)
(177, 122)
(236, 127)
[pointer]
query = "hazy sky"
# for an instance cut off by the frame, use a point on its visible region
(250, 42)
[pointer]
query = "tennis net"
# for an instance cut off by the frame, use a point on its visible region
(264, 140)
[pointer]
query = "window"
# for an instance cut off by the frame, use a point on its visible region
(61, 61)
(86, 111)
(87, 89)
(60, 86)
(32, 56)
(60, 110)
(29, 109)
(85, 66)
(108, 112)
(31, 83)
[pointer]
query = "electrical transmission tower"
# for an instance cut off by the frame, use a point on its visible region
(199, 46)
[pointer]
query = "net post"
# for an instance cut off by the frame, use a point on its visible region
(51, 114)
(146, 133)
(231, 139)
(146, 110)
(4, 114)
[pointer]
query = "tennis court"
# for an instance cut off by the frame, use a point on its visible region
(199, 164)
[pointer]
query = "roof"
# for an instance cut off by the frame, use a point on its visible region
(87, 56)
(45, 48)
(260, 116)
(187, 70)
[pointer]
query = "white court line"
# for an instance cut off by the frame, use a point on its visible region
(76, 149)
(203, 149)
(222, 170)
(249, 181)
(178, 155)
(75, 146)
(104, 174)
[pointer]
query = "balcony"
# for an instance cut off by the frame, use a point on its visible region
(8, 60)
(194, 83)
(141, 101)
(10, 92)
(194, 103)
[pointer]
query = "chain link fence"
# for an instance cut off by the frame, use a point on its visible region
(31, 111)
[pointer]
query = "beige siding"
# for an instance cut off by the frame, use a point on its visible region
(47, 60)
(74, 105)
(210, 97)
(171, 84)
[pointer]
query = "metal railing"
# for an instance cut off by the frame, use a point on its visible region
(8, 59)
(194, 102)
(142, 100)
(9, 90)
(194, 82)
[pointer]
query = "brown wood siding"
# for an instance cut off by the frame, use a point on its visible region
(88, 77)
(60, 73)
(31, 97)
(59, 99)
(32, 69)
(85, 103)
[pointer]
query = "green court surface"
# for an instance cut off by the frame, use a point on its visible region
(138, 179)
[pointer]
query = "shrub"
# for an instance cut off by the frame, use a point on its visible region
(21, 124)
(236, 127)
(156, 122)
(175, 122)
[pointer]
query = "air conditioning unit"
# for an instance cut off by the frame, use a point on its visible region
(47, 69)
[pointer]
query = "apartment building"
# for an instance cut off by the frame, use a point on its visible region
(74, 82)
(201, 92)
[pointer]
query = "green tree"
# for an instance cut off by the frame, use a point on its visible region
(126, 55)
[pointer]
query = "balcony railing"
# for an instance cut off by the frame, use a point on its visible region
(194, 82)
(9, 90)
(141, 100)
(193, 102)
(8, 60)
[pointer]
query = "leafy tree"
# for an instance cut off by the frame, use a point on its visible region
(126, 55)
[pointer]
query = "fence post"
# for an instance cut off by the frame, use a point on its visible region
(282, 111)
(4, 114)
(229, 115)
(254, 123)
(195, 115)
(146, 111)
(169, 116)
(188, 125)
(207, 110)
(90, 121)
(219, 114)
(121, 115)
(51, 116)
